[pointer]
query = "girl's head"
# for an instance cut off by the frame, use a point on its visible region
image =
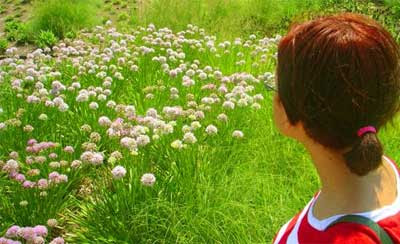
(335, 75)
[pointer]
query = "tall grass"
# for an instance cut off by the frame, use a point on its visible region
(232, 18)
(61, 17)
(228, 18)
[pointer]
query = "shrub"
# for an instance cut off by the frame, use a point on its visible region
(17, 31)
(61, 17)
(9, 18)
(45, 39)
(70, 34)
(123, 17)
(3, 45)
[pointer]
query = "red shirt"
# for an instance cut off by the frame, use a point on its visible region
(305, 228)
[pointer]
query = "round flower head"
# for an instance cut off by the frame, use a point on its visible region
(237, 134)
(69, 149)
(97, 159)
(76, 164)
(228, 105)
(53, 176)
(104, 121)
(38, 240)
(189, 138)
(23, 203)
(148, 179)
(63, 178)
(20, 178)
(222, 117)
(118, 172)
(12, 231)
(5, 241)
(27, 233)
(93, 105)
(40, 230)
(177, 144)
(14, 155)
(211, 130)
(42, 184)
(57, 240)
(53, 155)
(28, 184)
(43, 117)
(52, 223)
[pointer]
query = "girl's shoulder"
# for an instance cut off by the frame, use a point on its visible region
(305, 228)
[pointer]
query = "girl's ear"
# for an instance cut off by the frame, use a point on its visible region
(283, 123)
(280, 116)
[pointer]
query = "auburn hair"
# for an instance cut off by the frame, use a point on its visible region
(337, 74)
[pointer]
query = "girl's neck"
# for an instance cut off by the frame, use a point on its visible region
(343, 192)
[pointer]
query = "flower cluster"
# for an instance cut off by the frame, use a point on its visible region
(105, 95)
(34, 235)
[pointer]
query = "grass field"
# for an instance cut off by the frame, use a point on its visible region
(146, 134)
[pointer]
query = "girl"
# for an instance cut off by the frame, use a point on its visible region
(338, 80)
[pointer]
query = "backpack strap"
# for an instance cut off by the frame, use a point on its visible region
(381, 233)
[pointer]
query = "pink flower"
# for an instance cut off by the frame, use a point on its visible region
(63, 178)
(42, 184)
(40, 230)
(53, 176)
(27, 233)
(69, 149)
(97, 159)
(12, 231)
(53, 155)
(57, 240)
(28, 184)
(20, 178)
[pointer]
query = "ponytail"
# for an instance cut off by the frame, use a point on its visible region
(365, 155)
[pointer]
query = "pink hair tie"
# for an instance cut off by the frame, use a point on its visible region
(366, 129)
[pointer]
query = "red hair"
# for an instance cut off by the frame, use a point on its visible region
(337, 74)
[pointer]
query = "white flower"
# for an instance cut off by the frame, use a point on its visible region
(195, 125)
(256, 106)
(118, 172)
(211, 130)
(52, 223)
(202, 76)
(228, 105)
(63, 107)
(177, 144)
(82, 97)
(237, 134)
(222, 117)
(93, 105)
(142, 140)
(129, 143)
(186, 128)
(189, 137)
(104, 121)
(148, 179)
(43, 117)
(111, 104)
